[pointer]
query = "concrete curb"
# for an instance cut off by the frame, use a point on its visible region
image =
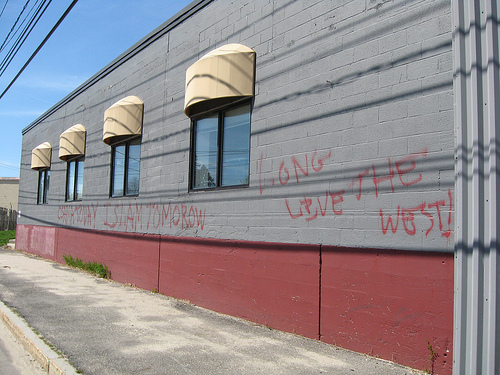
(54, 363)
(11, 245)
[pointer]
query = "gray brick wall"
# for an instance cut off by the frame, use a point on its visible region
(352, 130)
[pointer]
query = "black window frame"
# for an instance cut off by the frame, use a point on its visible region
(76, 161)
(220, 112)
(42, 196)
(125, 181)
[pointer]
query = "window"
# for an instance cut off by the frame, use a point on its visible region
(74, 180)
(40, 161)
(125, 164)
(221, 149)
(43, 185)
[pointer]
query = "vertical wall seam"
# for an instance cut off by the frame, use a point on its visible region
(320, 289)
(56, 244)
(159, 262)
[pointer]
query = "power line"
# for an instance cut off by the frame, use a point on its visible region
(40, 46)
(5, 165)
(24, 35)
(7, 39)
(15, 23)
(4, 7)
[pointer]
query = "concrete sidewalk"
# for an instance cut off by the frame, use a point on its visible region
(103, 327)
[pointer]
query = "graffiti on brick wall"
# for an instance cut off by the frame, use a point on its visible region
(134, 217)
(396, 176)
(314, 161)
(84, 215)
(145, 217)
(406, 215)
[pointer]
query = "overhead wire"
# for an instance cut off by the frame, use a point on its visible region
(15, 23)
(24, 35)
(4, 7)
(8, 38)
(66, 12)
(5, 165)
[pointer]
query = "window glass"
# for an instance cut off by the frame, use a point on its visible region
(74, 180)
(126, 159)
(70, 184)
(43, 186)
(79, 179)
(118, 170)
(221, 149)
(236, 147)
(205, 154)
(46, 190)
(133, 164)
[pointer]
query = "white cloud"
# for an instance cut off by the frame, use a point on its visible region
(57, 83)
(20, 113)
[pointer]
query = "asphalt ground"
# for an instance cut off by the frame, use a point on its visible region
(103, 327)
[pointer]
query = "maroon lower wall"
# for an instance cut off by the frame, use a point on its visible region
(272, 284)
(131, 258)
(386, 303)
(37, 240)
(389, 304)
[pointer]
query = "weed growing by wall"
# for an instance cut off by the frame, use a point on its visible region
(95, 268)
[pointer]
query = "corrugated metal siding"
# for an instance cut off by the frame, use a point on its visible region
(477, 109)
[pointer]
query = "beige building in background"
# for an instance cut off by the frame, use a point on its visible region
(9, 192)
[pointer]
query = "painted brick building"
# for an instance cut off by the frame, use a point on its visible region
(9, 191)
(302, 164)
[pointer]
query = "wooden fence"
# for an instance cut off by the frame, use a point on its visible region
(8, 219)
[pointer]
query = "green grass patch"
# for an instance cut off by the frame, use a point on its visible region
(7, 235)
(95, 268)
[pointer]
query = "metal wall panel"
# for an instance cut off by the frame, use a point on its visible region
(477, 109)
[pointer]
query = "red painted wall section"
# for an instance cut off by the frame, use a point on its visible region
(131, 258)
(38, 240)
(22, 237)
(390, 304)
(272, 284)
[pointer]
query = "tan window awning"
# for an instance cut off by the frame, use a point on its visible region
(40, 156)
(123, 119)
(222, 76)
(72, 142)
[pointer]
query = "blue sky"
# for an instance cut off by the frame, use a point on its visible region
(93, 34)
